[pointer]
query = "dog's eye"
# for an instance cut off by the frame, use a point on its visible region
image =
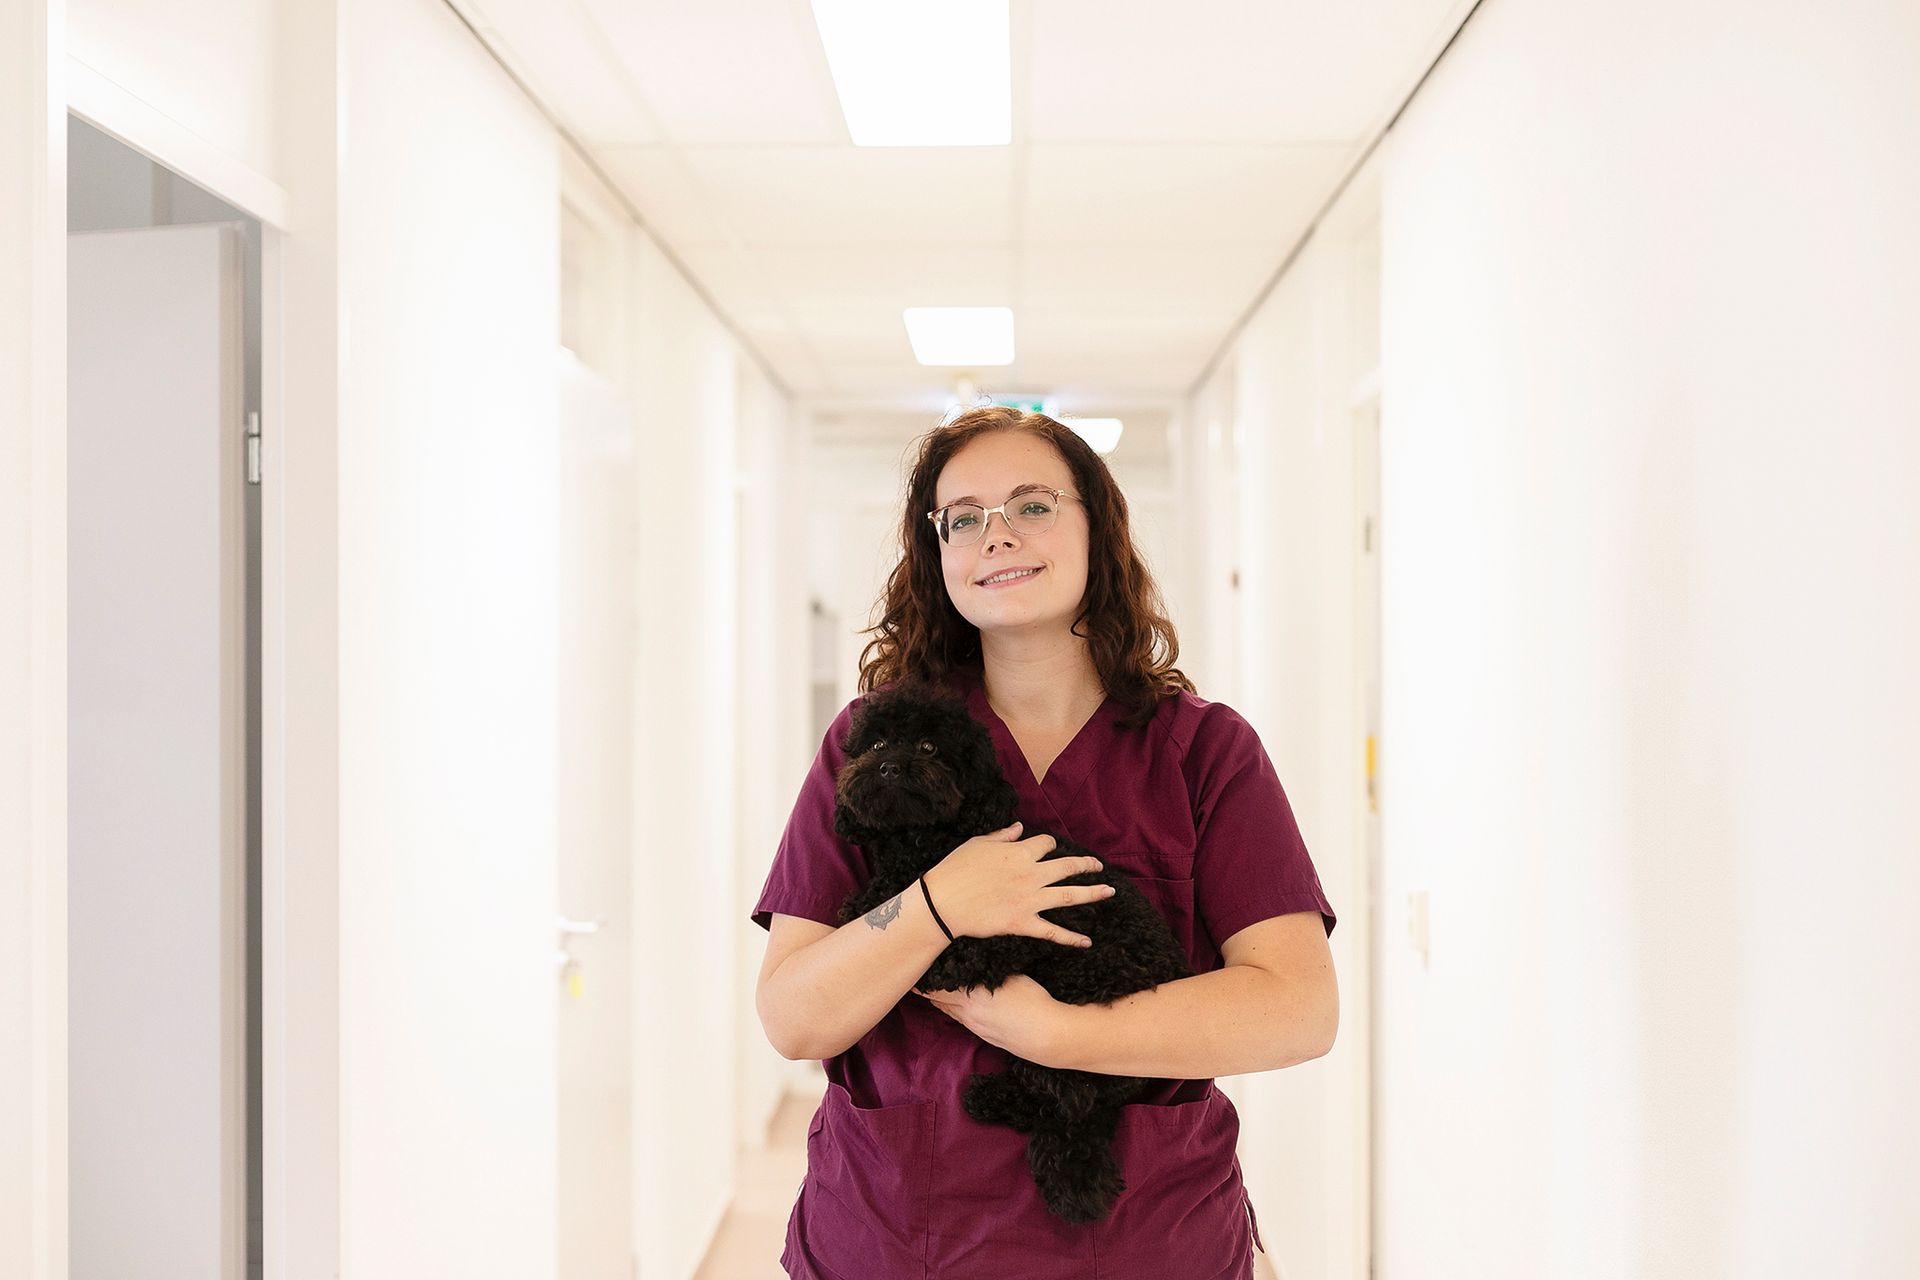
(927, 747)
(876, 744)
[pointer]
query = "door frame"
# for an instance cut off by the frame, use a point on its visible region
(299, 868)
(33, 668)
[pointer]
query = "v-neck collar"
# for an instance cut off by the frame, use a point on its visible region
(1069, 770)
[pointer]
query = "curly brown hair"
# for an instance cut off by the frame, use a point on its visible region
(920, 633)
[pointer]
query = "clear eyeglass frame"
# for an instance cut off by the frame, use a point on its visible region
(1015, 521)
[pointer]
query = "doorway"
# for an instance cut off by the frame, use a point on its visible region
(163, 721)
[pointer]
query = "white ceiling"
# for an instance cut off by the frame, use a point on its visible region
(1166, 157)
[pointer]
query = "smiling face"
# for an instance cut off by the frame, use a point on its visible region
(991, 470)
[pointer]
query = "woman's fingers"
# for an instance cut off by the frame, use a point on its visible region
(1062, 868)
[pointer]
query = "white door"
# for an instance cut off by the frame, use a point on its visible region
(156, 755)
(597, 647)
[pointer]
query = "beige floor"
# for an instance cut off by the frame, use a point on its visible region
(747, 1246)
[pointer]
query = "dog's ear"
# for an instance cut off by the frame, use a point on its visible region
(858, 727)
(852, 832)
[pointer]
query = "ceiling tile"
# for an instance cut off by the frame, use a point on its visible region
(794, 358)
(1194, 194)
(889, 277)
(726, 71)
(853, 196)
(1223, 70)
(886, 379)
(1123, 353)
(1214, 281)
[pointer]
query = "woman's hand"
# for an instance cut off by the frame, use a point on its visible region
(998, 884)
(1019, 1016)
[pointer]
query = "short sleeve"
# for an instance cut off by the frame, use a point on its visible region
(814, 871)
(1249, 861)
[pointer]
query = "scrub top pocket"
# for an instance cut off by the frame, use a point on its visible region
(868, 1186)
(1183, 1212)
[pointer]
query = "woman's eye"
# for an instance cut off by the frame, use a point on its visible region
(927, 747)
(1034, 508)
(961, 522)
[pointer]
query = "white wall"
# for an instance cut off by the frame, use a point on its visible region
(683, 376)
(208, 65)
(773, 709)
(1272, 435)
(853, 541)
(1650, 441)
(303, 388)
(449, 242)
(719, 736)
(33, 797)
(1206, 475)
(598, 620)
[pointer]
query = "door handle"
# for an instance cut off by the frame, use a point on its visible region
(570, 929)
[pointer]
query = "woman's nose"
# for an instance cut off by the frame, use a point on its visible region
(1006, 529)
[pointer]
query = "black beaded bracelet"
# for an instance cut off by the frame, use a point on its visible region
(928, 895)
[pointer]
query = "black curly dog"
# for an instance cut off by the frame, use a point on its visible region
(921, 779)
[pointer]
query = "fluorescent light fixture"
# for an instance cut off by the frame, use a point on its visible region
(911, 73)
(960, 335)
(1101, 434)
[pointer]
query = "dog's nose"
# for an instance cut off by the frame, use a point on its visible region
(889, 770)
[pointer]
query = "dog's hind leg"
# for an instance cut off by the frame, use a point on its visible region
(1074, 1167)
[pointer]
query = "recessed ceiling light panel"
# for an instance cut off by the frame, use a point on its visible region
(964, 336)
(911, 73)
(1102, 434)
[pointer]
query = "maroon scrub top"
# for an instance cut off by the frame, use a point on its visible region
(901, 1181)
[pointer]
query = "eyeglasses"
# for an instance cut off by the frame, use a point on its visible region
(1030, 511)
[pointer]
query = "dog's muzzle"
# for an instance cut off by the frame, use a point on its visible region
(891, 793)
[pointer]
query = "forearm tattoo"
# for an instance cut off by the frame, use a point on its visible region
(883, 915)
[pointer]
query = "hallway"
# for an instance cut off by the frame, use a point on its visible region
(458, 482)
(748, 1243)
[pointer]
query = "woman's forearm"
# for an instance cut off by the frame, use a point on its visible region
(1228, 1022)
(828, 994)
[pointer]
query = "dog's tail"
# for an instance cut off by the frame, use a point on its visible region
(1075, 1170)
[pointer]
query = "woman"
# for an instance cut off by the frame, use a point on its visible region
(1019, 587)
